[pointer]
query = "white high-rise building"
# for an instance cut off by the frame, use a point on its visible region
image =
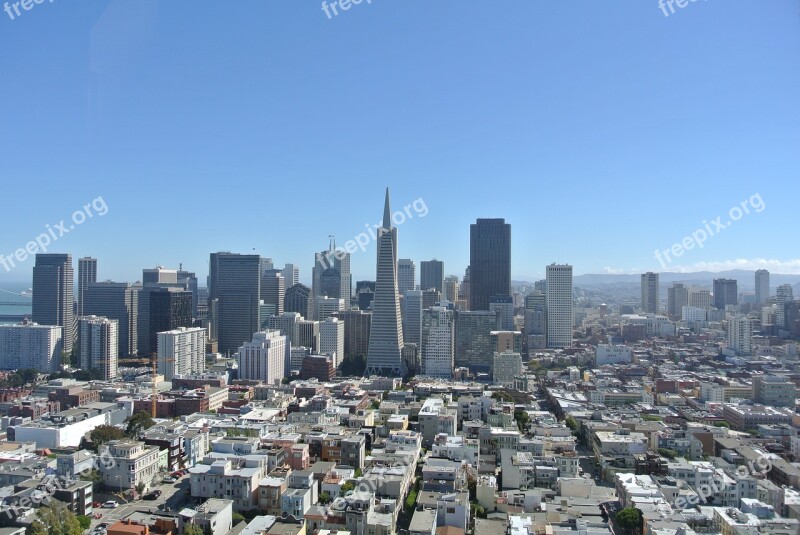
(438, 342)
(406, 275)
(559, 305)
(412, 317)
(506, 366)
(331, 339)
(762, 286)
(98, 345)
(182, 351)
(740, 335)
(265, 357)
(291, 275)
(28, 345)
(650, 292)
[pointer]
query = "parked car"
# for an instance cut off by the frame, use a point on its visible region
(110, 504)
(169, 480)
(154, 495)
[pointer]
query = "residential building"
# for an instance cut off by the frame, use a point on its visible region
(182, 352)
(98, 345)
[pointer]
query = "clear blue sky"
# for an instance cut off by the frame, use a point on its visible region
(600, 130)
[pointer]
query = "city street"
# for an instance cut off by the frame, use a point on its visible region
(173, 495)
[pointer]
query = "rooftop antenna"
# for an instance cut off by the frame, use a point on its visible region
(332, 245)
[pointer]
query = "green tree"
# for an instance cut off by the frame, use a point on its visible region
(522, 419)
(191, 529)
(56, 519)
(572, 424)
(84, 521)
(105, 433)
(478, 510)
(138, 423)
(668, 453)
(348, 486)
(140, 486)
(325, 498)
(238, 517)
(629, 519)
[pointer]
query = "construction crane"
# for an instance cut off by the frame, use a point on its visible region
(154, 394)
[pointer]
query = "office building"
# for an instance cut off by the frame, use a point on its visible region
(286, 323)
(273, 290)
(774, 391)
(116, 301)
(412, 317)
(451, 288)
(159, 275)
(438, 340)
(559, 306)
(161, 308)
(536, 320)
(331, 274)
(474, 348)
(87, 273)
(700, 297)
(181, 352)
(762, 286)
(291, 275)
(53, 298)
(506, 365)
(504, 306)
(298, 299)
(264, 358)
(406, 275)
(386, 333)
(650, 293)
(328, 306)
(740, 335)
(489, 261)
(431, 275)
(357, 325)
(430, 298)
(331, 339)
(98, 346)
(308, 334)
(28, 345)
(188, 281)
(725, 293)
(677, 298)
(464, 290)
(234, 292)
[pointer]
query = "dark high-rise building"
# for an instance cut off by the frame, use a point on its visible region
(431, 275)
(762, 286)
(489, 261)
(189, 281)
(117, 301)
(332, 265)
(357, 325)
(473, 337)
(52, 302)
(384, 356)
(169, 309)
(234, 292)
(87, 274)
(726, 293)
(298, 299)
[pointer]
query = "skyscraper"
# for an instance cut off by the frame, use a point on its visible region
(87, 273)
(356, 331)
(451, 288)
(291, 275)
(298, 299)
(169, 308)
(98, 345)
(331, 274)
(725, 293)
(677, 298)
(740, 335)
(181, 351)
(474, 347)
(384, 356)
(504, 306)
(536, 320)
(412, 317)
(331, 339)
(438, 341)
(489, 261)
(431, 275)
(235, 286)
(273, 290)
(117, 301)
(264, 357)
(650, 292)
(189, 282)
(406, 275)
(762, 286)
(53, 298)
(559, 306)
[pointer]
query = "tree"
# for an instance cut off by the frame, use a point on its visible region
(572, 424)
(140, 486)
(629, 519)
(84, 521)
(478, 510)
(105, 433)
(238, 517)
(95, 477)
(138, 423)
(348, 486)
(191, 529)
(668, 453)
(325, 498)
(522, 419)
(56, 519)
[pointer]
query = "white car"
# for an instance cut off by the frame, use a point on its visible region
(111, 504)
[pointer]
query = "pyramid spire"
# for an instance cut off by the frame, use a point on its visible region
(387, 212)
